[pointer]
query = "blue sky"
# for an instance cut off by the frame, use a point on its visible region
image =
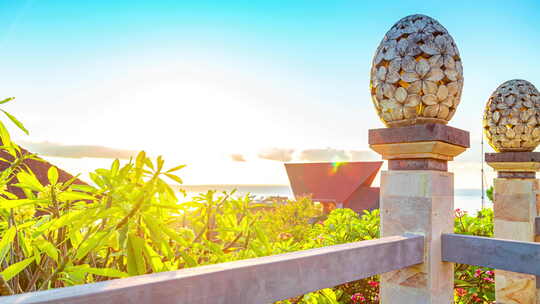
(198, 81)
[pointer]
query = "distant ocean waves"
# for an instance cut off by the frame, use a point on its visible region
(258, 191)
(465, 199)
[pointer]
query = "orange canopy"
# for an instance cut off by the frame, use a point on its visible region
(348, 183)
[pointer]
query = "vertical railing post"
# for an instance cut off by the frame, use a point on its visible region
(515, 208)
(417, 196)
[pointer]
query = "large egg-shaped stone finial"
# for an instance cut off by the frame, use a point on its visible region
(416, 74)
(512, 117)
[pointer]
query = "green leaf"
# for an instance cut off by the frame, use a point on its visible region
(215, 248)
(462, 283)
(52, 174)
(149, 163)
(16, 122)
(172, 207)
(75, 237)
(4, 135)
(140, 160)
(30, 181)
(97, 179)
(155, 231)
(174, 236)
(74, 196)
(7, 100)
(160, 163)
(25, 242)
(67, 218)
(107, 272)
(14, 269)
(49, 249)
(69, 182)
(83, 188)
(174, 178)
(262, 237)
(14, 203)
(115, 166)
(175, 168)
(135, 259)
(90, 244)
(154, 258)
(190, 262)
(5, 242)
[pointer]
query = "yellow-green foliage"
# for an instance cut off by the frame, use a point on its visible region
(292, 220)
(117, 228)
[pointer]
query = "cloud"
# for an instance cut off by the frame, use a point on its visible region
(315, 155)
(327, 154)
(363, 155)
(237, 157)
(277, 154)
(76, 151)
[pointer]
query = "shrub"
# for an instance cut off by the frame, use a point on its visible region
(129, 222)
(474, 284)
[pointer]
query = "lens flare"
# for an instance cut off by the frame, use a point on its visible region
(335, 167)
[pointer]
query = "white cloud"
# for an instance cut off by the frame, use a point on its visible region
(77, 151)
(238, 157)
(277, 154)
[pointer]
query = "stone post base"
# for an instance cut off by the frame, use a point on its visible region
(421, 202)
(515, 208)
(417, 196)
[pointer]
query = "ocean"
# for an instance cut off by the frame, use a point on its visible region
(466, 199)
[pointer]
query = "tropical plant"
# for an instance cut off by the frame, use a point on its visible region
(63, 233)
(474, 284)
(489, 193)
(128, 222)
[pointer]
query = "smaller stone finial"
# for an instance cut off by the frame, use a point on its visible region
(512, 117)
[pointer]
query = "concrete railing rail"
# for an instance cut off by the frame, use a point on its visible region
(515, 256)
(260, 280)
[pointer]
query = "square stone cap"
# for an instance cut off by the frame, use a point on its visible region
(514, 161)
(511, 157)
(419, 133)
(419, 150)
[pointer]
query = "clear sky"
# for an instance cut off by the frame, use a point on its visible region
(226, 86)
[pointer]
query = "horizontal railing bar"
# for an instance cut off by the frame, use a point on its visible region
(260, 280)
(522, 257)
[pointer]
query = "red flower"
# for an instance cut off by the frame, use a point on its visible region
(475, 298)
(478, 273)
(490, 280)
(373, 283)
(358, 298)
(461, 292)
(460, 213)
(490, 273)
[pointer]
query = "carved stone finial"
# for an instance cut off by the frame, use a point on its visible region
(512, 117)
(416, 74)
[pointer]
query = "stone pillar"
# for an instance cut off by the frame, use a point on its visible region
(417, 196)
(515, 208)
